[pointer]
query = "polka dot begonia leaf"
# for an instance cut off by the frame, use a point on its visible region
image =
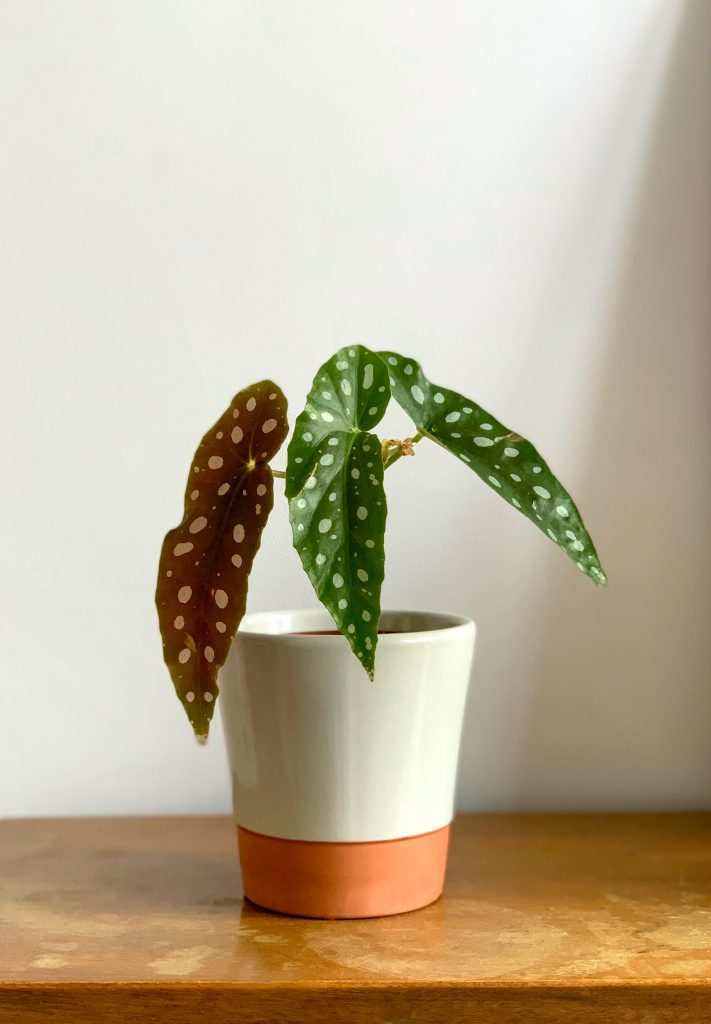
(334, 482)
(205, 561)
(505, 461)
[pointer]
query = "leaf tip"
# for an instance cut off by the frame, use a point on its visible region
(368, 663)
(598, 577)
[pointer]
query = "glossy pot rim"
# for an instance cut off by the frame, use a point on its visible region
(410, 626)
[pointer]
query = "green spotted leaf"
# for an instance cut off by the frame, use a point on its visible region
(206, 560)
(505, 461)
(334, 482)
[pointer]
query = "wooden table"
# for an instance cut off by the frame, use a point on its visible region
(545, 918)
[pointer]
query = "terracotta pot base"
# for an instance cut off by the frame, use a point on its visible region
(343, 880)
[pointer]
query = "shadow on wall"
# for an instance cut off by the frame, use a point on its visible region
(621, 687)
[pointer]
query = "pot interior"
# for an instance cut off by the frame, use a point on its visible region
(318, 622)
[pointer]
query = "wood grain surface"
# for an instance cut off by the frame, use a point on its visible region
(545, 918)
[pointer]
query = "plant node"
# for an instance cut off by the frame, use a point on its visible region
(393, 448)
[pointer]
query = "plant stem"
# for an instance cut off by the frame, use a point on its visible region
(279, 473)
(398, 455)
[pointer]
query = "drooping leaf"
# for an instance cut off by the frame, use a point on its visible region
(205, 561)
(334, 482)
(505, 461)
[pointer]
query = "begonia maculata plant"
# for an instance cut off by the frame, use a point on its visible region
(334, 483)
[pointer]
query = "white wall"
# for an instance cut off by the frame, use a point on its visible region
(196, 195)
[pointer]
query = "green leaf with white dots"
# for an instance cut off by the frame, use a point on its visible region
(334, 482)
(505, 461)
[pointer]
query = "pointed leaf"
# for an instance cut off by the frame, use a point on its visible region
(505, 461)
(205, 561)
(334, 482)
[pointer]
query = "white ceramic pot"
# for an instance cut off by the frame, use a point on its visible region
(344, 786)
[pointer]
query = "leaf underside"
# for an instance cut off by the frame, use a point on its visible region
(334, 482)
(205, 561)
(505, 461)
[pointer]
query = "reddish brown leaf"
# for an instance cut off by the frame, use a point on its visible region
(205, 561)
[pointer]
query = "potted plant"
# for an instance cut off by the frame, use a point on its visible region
(343, 787)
